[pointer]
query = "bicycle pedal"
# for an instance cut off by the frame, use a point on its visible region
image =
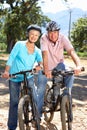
(33, 124)
(58, 109)
(68, 121)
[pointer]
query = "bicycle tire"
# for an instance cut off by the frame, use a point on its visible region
(25, 114)
(48, 112)
(65, 113)
(37, 118)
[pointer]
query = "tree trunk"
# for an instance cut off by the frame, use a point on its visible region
(10, 43)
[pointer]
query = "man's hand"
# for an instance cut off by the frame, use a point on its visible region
(48, 74)
(77, 70)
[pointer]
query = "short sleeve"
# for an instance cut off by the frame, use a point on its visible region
(13, 53)
(67, 44)
(43, 43)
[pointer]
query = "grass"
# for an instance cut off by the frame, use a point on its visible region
(80, 54)
(3, 52)
(2, 64)
(3, 60)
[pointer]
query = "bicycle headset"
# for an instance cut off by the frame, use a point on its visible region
(53, 26)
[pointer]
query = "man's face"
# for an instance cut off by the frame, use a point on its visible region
(53, 35)
(33, 36)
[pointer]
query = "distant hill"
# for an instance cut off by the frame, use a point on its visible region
(62, 18)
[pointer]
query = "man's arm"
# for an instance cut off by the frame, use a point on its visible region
(45, 64)
(45, 61)
(76, 60)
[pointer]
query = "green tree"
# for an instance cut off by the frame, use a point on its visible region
(2, 36)
(18, 16)
(79, 34)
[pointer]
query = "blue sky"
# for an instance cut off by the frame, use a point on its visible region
(58, 5)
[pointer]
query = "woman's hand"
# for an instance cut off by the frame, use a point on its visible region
(5, 74)
(38, 68)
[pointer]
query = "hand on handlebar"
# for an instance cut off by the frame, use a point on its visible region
(5, 74)
(37, 68)
(48, 74)
(78, 70)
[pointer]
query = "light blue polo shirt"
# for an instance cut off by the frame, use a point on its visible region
(20, 59)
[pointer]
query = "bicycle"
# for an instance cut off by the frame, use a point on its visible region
(58, 98)
(27, 109)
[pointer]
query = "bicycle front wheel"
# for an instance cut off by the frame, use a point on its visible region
(25, 114)
(66, 113)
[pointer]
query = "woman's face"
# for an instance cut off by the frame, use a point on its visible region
(53, 35)
(33, 35)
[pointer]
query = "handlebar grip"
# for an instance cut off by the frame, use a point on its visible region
(83, 69)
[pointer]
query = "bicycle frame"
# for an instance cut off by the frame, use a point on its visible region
(57, 86)
(63, 99)
(25, 102)
(57, 99)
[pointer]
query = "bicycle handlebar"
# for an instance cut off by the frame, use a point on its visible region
(32, 71)
(56, 72)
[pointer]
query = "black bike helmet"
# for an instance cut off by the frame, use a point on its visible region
(53, 26)
(35, 27)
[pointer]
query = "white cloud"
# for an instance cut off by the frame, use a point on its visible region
(52, 6)
(58, 5)
(80, 4)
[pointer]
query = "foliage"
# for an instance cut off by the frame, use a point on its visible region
(2, 64)
(2, 36)
(3, 46)
(82, 54)
(19, 15)
(79, 34)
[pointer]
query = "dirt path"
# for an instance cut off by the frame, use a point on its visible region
(79, 99)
